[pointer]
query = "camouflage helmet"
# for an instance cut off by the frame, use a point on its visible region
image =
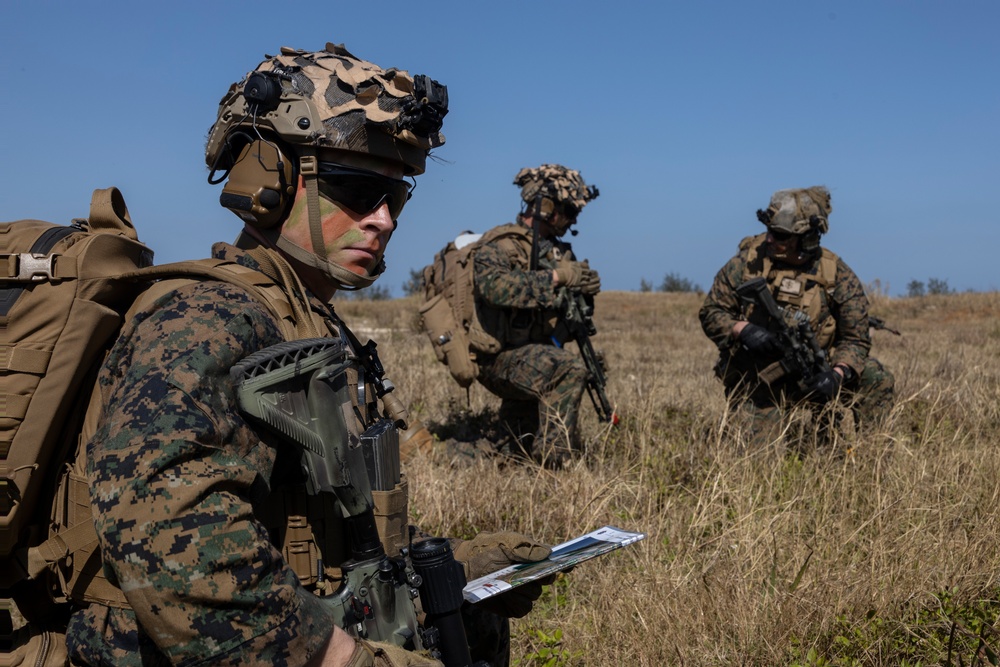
(301, 102)
(332, 99)
(556, 184)
(798, 211)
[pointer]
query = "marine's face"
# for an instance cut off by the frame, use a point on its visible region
(549, 229)
(786, 247)
(354, 239)
(561, 220)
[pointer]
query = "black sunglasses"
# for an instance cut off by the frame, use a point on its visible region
(361, 190)
(570, 213)
(780, 236)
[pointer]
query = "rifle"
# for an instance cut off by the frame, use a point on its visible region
(523, 318)
(879, 323)
(536, 220)
(578, 312)
(802, 357)
(295, 390)
(442, 581)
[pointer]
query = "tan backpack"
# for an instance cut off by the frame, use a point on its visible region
(459, 326)
(64, 293)
(61, 304)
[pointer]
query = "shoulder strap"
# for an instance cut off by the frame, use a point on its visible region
(511, 229)
(290, 310)
(513, 238)
(751, 248)
(827, 273)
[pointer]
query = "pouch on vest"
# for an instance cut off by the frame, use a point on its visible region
(772, 373)
(449, 341)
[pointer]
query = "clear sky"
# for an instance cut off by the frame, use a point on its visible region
(687, 116)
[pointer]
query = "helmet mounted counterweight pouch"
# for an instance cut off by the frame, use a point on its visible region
(261, 184)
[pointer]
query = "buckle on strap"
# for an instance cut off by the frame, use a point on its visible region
(309, 165)
(27, 267)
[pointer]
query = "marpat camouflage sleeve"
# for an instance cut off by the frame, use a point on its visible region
(849, 306)
(503, 283)
(175, 473)
(721, 308)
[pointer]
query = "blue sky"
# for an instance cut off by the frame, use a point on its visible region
(687, 116)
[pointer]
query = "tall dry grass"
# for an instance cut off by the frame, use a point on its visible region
(884, 556)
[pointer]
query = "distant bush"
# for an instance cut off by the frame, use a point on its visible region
(415, 285)
(672, 282)
(917, 288)
(938, 286)
(645, 285)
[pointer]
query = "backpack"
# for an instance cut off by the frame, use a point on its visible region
(61, 304)
(65, 292)
(459, 326)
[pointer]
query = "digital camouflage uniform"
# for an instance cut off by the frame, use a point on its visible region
(840, 318)
(180, 483)
(541, 383)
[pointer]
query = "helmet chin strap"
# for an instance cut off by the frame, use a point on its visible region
(345, 279)
(309, 168)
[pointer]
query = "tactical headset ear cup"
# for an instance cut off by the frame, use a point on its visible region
(261, 184)
(547, 208)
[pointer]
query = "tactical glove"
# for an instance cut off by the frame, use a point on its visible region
(380, 654)
(824, 386)
(758, 340)
(489, 552)
(580, 277)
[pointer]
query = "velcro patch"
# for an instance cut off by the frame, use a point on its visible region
(791, 287)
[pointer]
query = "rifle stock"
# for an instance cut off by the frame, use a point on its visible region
(289, 389)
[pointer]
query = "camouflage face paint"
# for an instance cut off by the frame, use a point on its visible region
(344, 235)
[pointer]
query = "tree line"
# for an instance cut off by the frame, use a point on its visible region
(672, 282)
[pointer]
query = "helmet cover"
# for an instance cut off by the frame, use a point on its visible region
(332, 99)
(555, 182)
(798, 211)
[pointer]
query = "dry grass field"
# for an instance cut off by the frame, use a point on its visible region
(881, 550)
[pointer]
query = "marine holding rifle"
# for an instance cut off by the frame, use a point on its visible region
(525, 272)
(229, 536)
(791, 321)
